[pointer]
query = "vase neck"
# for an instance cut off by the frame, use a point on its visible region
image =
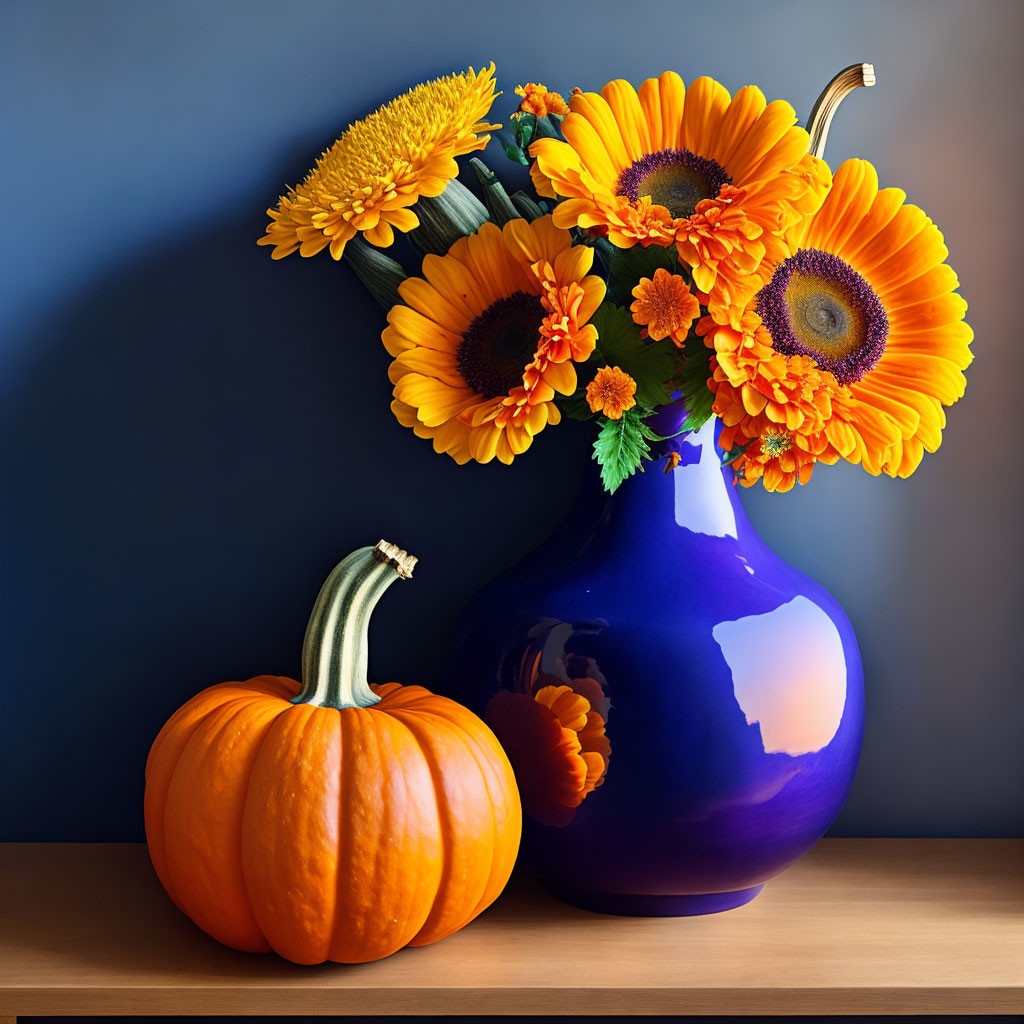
(698, 495)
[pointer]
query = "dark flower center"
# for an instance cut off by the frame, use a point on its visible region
(817, 305)
(674, 178)
(500, 343)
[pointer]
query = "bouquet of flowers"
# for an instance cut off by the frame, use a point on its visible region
(679, 244)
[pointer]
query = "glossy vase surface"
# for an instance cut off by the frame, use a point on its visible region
(684, 710)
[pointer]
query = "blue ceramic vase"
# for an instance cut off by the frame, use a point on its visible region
(684, 710)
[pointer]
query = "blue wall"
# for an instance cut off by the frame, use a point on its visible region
(191, 436)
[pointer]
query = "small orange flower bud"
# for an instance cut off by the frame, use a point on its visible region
(537, 100)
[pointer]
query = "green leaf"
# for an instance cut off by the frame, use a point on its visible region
(627, 266)
(515, 154)
(692, 382)
(650, 363)
(621, 447)
(549, 127)
(525, 125)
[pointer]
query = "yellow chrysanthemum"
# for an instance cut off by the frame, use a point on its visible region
(382, 165)
(721, 177)
(539, 101)
(665, 306)
(484, 342)
(612, 391)
(864, 295)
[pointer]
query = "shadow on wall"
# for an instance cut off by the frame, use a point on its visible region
(202, 437)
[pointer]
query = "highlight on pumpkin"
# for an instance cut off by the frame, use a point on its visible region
(417, 785)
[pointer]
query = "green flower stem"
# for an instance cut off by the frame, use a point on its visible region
(526, 206)
(379, 273)
(455, 213)
(496, 198)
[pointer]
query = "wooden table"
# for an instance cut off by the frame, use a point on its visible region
(858, 926)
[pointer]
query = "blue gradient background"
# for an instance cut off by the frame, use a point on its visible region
(191, 436)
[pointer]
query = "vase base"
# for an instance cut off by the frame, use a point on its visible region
(643, 905)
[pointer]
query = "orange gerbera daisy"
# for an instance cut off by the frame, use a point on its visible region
(612, 392)
(665, 306)
(484, 342)
(537, 100)
(865, 293)
(382, 165)
(721, 177)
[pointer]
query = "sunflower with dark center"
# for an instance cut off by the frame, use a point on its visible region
(721, 177)
(499, 343)
(484, 340)
(674, 178)
(817, 305)
(865, 296)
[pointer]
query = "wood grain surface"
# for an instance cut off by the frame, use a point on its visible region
(858, 926)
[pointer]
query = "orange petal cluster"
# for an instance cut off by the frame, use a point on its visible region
(612, 391)
(723, 247)
(665, 306)
(759, 391)
(539, 101)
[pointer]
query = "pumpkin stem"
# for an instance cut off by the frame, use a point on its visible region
(853, 77)
(334, 649)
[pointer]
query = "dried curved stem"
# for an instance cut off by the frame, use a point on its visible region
(853, 77)
(334, 650)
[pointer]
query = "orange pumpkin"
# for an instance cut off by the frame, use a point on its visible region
(331, 820)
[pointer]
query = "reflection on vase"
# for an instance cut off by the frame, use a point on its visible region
(683, 709)
(552, 725)
(788, 674)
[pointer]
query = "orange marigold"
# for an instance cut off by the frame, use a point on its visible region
(539, 101)
(772, 407)
(612, 392)
(665, 306)
(778, 457)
